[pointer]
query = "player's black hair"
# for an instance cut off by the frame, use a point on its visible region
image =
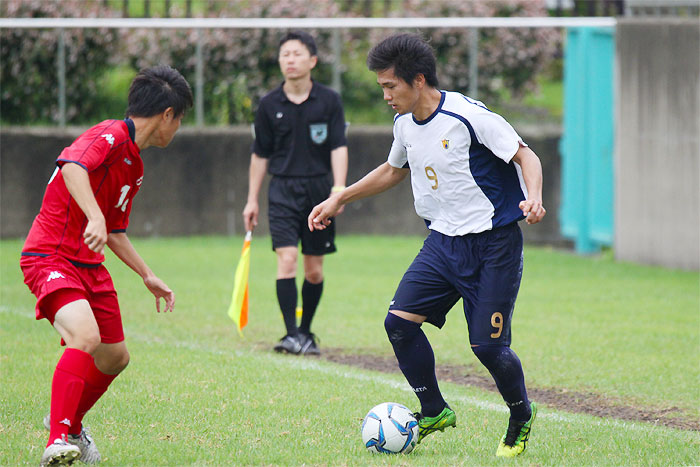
(155, 89)
(303, 37)
(408, 54)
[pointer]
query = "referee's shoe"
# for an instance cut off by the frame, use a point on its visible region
(309, 345)
(289, 344)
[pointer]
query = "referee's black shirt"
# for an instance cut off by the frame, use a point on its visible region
(297, 139)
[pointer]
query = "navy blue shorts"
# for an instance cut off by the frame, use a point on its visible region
(291, 200)
(483, 269)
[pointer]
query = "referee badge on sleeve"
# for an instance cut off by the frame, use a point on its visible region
(319, 132)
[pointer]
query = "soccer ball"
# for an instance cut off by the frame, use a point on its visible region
(390, 428)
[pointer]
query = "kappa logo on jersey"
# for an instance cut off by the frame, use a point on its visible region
(55, 275)
(109, 138)
(127, 160)
(445, 143)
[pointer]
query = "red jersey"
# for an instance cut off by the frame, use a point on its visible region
(111, 157)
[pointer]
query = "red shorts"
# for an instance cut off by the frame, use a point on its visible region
(46, 275)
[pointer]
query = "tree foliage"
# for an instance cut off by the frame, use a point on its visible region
(240, 65)
(507, 58)
(29, 76)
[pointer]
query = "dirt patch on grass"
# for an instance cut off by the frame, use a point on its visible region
(570, 401)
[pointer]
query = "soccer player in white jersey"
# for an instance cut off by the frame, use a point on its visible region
(473, 179)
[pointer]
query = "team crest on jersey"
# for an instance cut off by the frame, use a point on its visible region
(445, 143)
(109, 138)
(319, 132)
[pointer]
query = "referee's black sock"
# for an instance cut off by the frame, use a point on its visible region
(287, 298)
(310, 296)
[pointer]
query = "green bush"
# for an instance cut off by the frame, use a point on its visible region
(29, 73)
(509, 59)
(240, 65)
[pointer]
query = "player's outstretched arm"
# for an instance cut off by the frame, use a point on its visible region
(380, 179)
(120, 244)
(78, 184)
(532, 173)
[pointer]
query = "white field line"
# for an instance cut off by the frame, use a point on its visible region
(387, 380)
(12, 311)
(393, 382)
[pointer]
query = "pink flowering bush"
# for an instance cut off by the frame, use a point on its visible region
(29, 73)
(507, 58)
(240, 65)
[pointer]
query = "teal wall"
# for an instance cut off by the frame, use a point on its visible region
(587, 177)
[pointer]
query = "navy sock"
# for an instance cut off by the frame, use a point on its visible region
(416, 361)
(310, 296)
(504, 365)
(287, 298)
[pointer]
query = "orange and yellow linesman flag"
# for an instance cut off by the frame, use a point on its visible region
(238, 311)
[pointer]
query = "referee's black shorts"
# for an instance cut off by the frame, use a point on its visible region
(291, 200)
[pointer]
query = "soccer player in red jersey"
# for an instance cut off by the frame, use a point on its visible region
(85, 207)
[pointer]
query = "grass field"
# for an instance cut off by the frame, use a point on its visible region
(195, 393)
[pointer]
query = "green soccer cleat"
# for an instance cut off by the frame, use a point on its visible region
(514, 442)
(427, 425)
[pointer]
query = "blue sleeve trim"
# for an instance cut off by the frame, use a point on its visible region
(64, 161)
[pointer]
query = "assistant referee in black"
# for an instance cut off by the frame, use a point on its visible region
(299, 140)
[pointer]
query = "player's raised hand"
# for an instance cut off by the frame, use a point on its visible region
(160, 290)
(95, 235)
(250, 215)
(320, 216)
(533, 210)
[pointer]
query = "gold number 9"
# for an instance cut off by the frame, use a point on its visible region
(497, 322)
(432, 176)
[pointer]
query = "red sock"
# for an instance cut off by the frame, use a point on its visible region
(96, 384)
(67, 389)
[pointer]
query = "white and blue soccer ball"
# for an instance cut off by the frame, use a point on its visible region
(390, 428)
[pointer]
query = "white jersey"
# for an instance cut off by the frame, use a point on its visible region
(462, 175)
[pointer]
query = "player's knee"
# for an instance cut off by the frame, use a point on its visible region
(399, 330)
(485, 352)
(87, 344)
(121, 362)
(287, 264)
(115, 363)
(87, 341)
(493, 355)
(314, 276)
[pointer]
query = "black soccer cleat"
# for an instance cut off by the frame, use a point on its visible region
(309, 345)
(288, 344)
